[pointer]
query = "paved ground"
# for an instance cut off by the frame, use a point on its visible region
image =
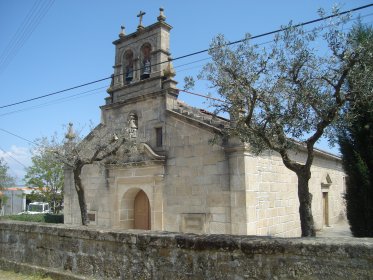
(341, 229)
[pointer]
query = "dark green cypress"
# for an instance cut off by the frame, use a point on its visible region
(356, 142)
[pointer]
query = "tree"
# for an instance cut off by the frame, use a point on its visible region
(46, 174)
(356, 143)
(288, 95)
(6, 181)
(101, 146)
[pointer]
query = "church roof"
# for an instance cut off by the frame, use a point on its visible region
(200, 115)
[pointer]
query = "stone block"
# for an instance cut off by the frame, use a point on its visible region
(222, 218)
(219, 210)
(219, 199)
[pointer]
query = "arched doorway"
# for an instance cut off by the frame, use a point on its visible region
(134, 212)
(141, 211)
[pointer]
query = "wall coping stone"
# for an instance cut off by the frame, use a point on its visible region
(258, 253)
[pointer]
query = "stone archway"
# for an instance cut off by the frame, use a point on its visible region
(135, 210)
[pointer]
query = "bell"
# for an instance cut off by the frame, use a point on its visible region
(146, 72)
(129, 75)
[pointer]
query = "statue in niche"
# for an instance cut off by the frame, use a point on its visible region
(129, 67)
(132, 123)
(146, 64)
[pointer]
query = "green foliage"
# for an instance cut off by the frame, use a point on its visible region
(5, 181)
(47, 175)
(39, 218)
(356, 142)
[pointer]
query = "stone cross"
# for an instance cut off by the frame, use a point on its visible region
(140, 15)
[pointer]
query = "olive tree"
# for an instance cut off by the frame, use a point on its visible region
(286, 95)
(101, 146)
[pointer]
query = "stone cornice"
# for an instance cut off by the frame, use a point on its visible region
(135, 99)
(134, 84)
(193, 121)
(160, 24)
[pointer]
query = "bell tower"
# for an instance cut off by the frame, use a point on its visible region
(142, 61)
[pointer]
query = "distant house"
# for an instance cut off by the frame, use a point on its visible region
(15, 201)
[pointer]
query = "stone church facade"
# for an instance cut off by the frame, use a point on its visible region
(182, 182)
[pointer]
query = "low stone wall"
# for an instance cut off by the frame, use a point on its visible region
(107, 254)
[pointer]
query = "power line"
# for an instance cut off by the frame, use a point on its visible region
(16, 160)
(20, 137)
(203, 95)
(281, 29)
(37, 144)
(24, 32)
(192, 54)
(56, 101)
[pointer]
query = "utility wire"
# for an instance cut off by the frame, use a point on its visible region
(94, 91)
(56, 101)
(20, 137)
(16, 160)
(192, 54)
(24, 32)
(203, 95)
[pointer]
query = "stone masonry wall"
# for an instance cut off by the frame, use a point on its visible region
(107, 254)
(197, 196)
(272, 200)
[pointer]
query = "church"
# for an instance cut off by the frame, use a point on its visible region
(181, 182)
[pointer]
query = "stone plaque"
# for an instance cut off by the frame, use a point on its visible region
(193, 222)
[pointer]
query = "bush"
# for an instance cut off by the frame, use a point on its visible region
(39, 218)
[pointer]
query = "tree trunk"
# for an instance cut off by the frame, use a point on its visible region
(81, 195)
(305, 204)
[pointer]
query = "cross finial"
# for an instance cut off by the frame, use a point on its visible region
(140, 15)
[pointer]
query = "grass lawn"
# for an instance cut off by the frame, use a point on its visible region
(41, 218)
(10, 275)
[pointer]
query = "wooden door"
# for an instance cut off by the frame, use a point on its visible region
(325, 204)
(142, 211)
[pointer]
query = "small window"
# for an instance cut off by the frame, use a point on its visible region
(159, 136)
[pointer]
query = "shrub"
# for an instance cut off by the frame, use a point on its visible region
(39, 218)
